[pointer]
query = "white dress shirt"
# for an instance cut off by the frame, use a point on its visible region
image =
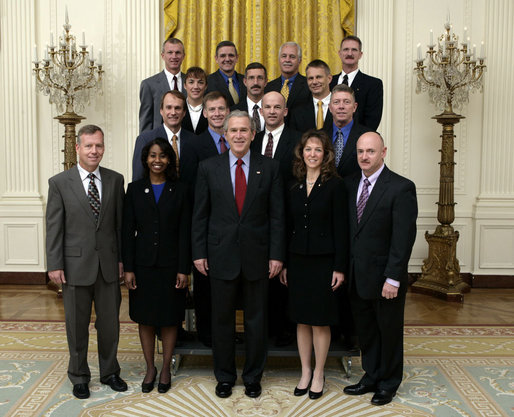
(324, 105)
(276, 137)
(170, 134)
(171, 83)
(351, 77)
(85, 180)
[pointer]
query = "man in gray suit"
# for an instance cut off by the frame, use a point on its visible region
(83, 236)
(152, 89)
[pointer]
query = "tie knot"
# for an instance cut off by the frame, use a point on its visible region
(366, 182)
(222, 139)
(270, 136)
(256, 107)
(91, 176)
(320, 103)
(174, 138)
(230, 80)
(239, 162)
(286, 82)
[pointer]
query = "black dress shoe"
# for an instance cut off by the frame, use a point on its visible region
(315, 395)
(115, 382)
(163, 388)
(298, 392)
(253, 389)
(81, 391)
(358, 389)
(382, 397)
(147, 387)
(224, 389)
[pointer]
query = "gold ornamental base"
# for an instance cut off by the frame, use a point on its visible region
(440, 275)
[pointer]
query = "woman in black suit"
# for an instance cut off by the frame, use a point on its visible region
(317, 253)
(156, 255)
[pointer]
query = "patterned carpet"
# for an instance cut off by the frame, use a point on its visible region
(449, 371)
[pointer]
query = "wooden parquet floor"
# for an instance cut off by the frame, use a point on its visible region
(482, 306)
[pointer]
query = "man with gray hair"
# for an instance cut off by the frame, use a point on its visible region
(291, 83)
(238, 238)
(153, 88)
(83, 254)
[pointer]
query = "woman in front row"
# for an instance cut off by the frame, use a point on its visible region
(156, 255)
(317, 254)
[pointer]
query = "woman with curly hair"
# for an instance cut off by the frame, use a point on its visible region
(317, 260)
(157, 255)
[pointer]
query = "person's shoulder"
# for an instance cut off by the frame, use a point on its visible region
(111, 173)
(400, 180)
(64, 175)
(369, 79)
(152, 78)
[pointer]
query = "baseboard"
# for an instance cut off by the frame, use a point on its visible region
(33, 278)
(478, 281)
(493, 281)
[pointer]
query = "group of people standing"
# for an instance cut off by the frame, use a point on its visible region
(282, 207)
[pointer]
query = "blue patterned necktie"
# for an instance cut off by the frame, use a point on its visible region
(338, 147)
(363, 199)
(93, 196)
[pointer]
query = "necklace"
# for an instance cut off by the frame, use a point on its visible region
(310, 183)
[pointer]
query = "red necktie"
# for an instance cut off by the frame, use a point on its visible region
(269, 147)
(240, 186)
(223, 145)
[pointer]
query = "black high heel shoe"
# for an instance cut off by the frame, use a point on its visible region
(163, 388)
(298, 392)
(315, 395)
(147, 387)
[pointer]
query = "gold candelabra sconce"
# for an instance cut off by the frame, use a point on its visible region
(70, 75)
(450, 73)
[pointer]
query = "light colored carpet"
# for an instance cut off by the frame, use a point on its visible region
(449, 371)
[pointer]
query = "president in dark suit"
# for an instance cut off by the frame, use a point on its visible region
(382, 212)
(226, 80)
(154, 87)
(83, 252)
(314, 113)
(369, 91)
(173, 109)
(238, 238)
(291, 83)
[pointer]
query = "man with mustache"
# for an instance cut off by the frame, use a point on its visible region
(256, 78)
(226, 80)
(369, 91)
(152, 89)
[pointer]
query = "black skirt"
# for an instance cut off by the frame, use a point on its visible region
(311, 299)
(156, 301)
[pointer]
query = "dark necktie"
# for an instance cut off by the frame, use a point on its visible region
(339, 146)
(269, 147)
(93, 196)
(223, 145)
(256, 118)
(175, 84)
(363, 199)
(240, 186)
(345, 79)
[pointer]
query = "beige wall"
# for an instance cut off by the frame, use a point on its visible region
(128, 32)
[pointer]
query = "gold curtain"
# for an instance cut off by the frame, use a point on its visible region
(258, 28)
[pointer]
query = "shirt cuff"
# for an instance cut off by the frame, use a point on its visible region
(393, 282)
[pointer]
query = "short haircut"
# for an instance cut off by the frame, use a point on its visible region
(196, 72)
(88, 130)
(223, 44)
(256, 65)
(328, 165)
(352, 38)
(177, 94)
(214, 95)
(343, 88)
(173, 41)
(298, 49)
(239, 113)
(171, 169)
(318, 63)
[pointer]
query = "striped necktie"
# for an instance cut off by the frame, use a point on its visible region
(363, 199)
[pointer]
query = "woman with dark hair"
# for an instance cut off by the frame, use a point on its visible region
(317, 253)
(157, 255)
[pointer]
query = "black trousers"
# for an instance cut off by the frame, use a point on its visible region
(203, 305)
(224, 305)
(379, 325)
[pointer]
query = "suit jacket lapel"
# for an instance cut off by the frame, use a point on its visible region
(353, 200)
(107, 193)
(283, 144)
(254, 180)
(318, 185)
(78, 189)
(163, 82)
(376, 194)
(226, 181)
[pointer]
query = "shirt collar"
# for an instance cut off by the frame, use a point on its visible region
(170, 134)
(277, 132)
(345, 130)
(373, 177)
(325, 101)
(351, 76)
(83, 173)
(226, 77)
(233, 159)
(291, 80)
(253, 103)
